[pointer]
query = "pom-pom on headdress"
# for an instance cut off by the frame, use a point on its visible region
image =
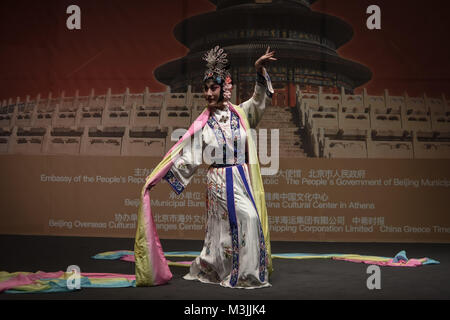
(217, 68)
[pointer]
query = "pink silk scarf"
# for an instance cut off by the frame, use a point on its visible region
(151, 266)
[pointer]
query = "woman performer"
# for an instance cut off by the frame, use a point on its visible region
(236, 251)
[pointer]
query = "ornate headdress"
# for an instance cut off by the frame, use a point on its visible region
(218, 69)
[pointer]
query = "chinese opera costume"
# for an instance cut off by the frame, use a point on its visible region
(236, 251)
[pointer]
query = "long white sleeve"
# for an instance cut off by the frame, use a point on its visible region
(185, 166)
(262, 96)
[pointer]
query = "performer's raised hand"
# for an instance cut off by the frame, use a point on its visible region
(264, 59)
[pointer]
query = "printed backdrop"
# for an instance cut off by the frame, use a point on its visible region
(311, 199)
(118, 47)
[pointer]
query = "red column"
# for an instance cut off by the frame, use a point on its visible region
(291, 94)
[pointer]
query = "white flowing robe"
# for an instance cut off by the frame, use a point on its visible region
(234, 253)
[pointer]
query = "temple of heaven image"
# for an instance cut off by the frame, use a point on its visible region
(305, 43)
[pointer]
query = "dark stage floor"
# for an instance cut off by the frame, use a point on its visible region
(292, 279)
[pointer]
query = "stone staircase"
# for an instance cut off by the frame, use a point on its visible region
(283, 118)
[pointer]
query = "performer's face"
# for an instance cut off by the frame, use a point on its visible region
(212, 93)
